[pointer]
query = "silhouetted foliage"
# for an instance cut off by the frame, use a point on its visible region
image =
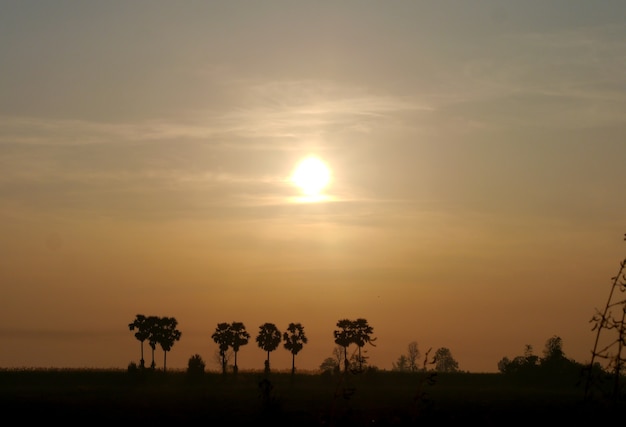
(268, 339)
(157, 330)
(343, 338)
(223, 337)
(525, 364)
(294, 339)
(132, 367)
(230, 335)
(413, 354)
(329, 366)
(444, 362)
(401, 365)
(605, 321)
(143, 332)
(407, 362)
(195, 366)
(167, 335)
(152, 323)
(552, 367)
(353, 332)
(362, 332)
(240, 337)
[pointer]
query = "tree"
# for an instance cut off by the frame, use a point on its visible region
(408, 362)
(167, 335)
(412, 355)
(222, 360)
(195, 366)
(554, 360)
(329, 365)
(530, 358)
(223, 337)
(338, 354)
(239, 337)
(268, 339)
(553, 350)
(141, 325)
(525, 365)
(294, 339)
(504, 364)
(401, 365)
(444, 362)
(361, 332)
(152, 324)
(343, 338)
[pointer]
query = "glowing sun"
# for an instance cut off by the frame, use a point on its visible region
(311, 175)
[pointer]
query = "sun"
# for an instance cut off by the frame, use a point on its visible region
(311, 175)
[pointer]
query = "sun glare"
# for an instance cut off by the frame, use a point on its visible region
(311, 176)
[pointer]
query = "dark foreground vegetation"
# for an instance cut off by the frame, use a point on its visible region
(381, 398)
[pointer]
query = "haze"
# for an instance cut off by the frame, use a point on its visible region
(477, 152)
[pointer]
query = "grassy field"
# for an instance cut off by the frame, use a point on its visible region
(92, 397)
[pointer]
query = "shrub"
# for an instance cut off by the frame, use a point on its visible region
(196, 365)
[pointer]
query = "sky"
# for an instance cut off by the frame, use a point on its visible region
(476, 152)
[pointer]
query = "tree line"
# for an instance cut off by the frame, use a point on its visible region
(231, 337)
(234, 335)
(553, 362)
(155, 330)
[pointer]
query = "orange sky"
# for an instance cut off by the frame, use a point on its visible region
(477, 160)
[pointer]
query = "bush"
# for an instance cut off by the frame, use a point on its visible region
(195, 366)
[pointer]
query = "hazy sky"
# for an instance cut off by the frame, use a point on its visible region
(477, 151)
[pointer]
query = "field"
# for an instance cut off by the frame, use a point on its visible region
(92, 397)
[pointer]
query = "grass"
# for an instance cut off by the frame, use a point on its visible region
(99, 397)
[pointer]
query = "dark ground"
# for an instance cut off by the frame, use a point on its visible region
(380, 399)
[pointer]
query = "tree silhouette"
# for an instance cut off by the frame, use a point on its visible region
(167, 336)
(353, 332)
(239, 337)
(294, 339)
(195, 366)
(141, 325)
(520, 365)
(613, 352)
(554, 361)
(401, 365)
(343, 338)
(329, 365)
(152, 324)
(413, 354)
(361, 332)
(338, 354)
(444, 362)
(223, 338)
(553, 349)
(268, 339)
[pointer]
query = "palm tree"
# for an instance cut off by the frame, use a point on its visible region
(152, 326)
(140, 323)
(167, 336)
(223, 338)
(239, 337)
(294, 341)
(268, 339)
(344, 337)
(361, 332)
